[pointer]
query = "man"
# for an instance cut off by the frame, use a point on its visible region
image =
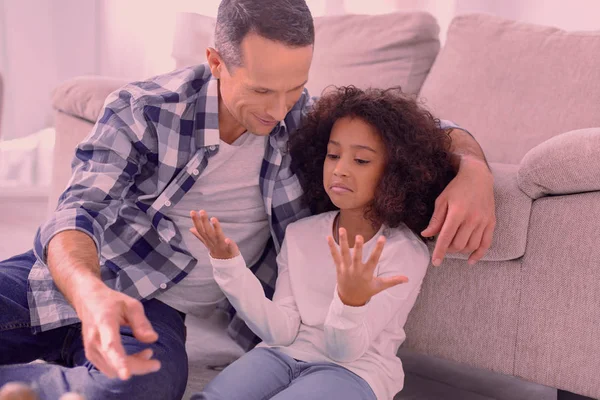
(214, 137)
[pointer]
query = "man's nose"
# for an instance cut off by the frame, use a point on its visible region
(278, 108)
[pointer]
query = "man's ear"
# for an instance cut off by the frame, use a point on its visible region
(215, 63)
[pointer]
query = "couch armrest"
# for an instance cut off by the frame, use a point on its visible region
(564, 164)
(83, 97)
(513, 209)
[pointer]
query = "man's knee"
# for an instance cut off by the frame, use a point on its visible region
(168, 383)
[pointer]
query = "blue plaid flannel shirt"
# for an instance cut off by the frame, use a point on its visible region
(147, 149)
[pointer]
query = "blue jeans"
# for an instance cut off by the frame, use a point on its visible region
(67, 369)
(266, 373)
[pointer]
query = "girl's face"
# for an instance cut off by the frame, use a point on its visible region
(354, 164)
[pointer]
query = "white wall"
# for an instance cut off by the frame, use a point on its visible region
(43, 42)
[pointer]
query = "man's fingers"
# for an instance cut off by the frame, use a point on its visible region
(141, 363)
(475, 240)
(445, 238)
(94, 356)
(437, 219)
(486, 242)
(139, 324)
(114, 354)
(461, 238)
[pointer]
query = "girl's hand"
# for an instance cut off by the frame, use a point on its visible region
(211, 234)
(356, 283)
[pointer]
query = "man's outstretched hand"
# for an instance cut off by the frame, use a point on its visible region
(465, 216)
(102, 312)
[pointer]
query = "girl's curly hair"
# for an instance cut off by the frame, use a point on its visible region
(418, 159)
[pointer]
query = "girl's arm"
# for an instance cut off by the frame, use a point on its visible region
(349, 331)
(276, 322)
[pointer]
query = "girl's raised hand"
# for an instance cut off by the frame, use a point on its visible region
(210, 233)
(356, 283)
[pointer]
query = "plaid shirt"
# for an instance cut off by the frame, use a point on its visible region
(145, 152)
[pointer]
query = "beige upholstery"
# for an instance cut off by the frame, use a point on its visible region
(399, 55)
(515, 85)
(531, 309)
(566, 164)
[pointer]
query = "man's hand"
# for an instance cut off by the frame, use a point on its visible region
(102, 312)
(465, 214)
(210, 233)
(355, 280)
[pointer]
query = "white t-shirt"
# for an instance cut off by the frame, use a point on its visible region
(306, 318)
(229, 190)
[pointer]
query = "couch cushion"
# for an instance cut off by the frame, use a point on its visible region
(565, 164)
(515, 85)
(513, 208)
(83, 97)
(377, 50)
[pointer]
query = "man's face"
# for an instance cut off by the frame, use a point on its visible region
(260, 93)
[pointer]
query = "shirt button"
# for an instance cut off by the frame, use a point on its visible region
(195, 172)
(167, 203)
(212, 147)
(163, 286)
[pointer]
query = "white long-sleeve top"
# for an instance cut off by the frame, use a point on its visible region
(307, 320)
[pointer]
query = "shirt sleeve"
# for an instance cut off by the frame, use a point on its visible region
(447, 124)
(103, 170)
(349, 331)
(276, 322)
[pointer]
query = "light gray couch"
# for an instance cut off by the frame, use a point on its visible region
(531, 96)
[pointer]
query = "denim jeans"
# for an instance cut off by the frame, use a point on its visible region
(266, 373)
(67, 369)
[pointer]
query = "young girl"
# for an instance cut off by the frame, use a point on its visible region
(371, 164)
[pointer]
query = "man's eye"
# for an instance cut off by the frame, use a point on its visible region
(332, 156)
(362, 162)
(259, 91)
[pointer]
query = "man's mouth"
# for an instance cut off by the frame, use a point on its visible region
(266, 122)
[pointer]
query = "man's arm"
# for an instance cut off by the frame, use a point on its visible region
(73, 263)
(105, 166)
(464, 217)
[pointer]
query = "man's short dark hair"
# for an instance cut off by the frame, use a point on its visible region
(286, 21)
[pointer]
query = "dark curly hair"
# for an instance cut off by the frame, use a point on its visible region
(418, 160)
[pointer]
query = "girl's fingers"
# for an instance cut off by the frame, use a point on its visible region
(376, 254)
(346, 257)
(198, 236)
(358, 251)
(197, 220)
(218, 230)
(383, 283)
(335, 254)
(232, 246)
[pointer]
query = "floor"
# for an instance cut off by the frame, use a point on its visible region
(209, 348)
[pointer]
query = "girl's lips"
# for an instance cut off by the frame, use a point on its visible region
(339, 189)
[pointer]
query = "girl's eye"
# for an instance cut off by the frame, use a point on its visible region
(361, 162)
(332, 156)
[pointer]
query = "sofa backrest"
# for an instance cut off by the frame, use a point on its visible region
(364, 50)
(515, 85)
